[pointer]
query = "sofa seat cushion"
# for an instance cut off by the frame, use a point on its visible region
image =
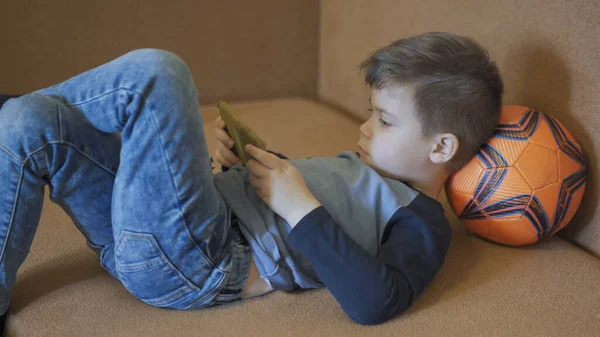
(549, 289)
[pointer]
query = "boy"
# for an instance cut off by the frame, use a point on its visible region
(123, 150)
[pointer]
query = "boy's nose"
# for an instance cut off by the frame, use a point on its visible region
(365, 129)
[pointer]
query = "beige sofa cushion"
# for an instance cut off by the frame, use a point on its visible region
(484, 289)
(547, 52)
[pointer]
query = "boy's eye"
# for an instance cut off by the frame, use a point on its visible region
(384, 123)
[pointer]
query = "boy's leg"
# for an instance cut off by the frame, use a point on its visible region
(44, 142)
(169, 222)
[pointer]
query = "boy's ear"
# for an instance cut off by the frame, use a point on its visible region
(444, 148)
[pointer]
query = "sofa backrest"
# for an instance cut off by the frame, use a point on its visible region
(236, 49)
(547, 51)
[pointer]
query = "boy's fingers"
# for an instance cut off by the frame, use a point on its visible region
(224, 138)
(231, 157)
(257, 169)
(219, 159)
(267, 159)
(227, 158)
(227, 154)
(220, 123)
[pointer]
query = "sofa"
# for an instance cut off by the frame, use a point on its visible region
(290, 69)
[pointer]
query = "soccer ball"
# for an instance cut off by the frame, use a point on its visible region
(524, 184)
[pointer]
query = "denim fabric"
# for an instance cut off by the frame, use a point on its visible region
(240, 254)
(4, 98)
(123, 151)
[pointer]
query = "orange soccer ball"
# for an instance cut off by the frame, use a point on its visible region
(524, 184)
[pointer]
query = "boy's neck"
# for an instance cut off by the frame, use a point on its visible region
(432, 188)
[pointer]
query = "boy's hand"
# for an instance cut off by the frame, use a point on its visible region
(279, 184)
(223, 155)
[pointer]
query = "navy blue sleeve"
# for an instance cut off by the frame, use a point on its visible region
(373, 289)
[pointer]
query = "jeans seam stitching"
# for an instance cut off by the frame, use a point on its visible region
(164, 155)
(70, 145)
(163, 256)
(12, 155)
(12, 215)
(102, 95)
(146, 102)
(84, 154)
(60, 126)
(179, 273)
(140, 266)
(214, 291)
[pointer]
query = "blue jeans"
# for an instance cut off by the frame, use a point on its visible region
(123, 151)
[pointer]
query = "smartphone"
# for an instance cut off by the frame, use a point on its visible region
(240, 133)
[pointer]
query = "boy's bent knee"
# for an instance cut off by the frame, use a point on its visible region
(24, 119)
(160, 62)
(167, 67)
(27, 106)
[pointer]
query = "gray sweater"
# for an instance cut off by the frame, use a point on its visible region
(371, 233)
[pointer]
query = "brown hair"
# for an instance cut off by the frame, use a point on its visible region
(456, 87)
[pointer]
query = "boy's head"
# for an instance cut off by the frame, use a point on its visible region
(441, 96)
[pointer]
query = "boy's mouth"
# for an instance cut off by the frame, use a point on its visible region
(362, 152)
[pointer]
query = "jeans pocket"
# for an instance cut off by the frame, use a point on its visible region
(147, 273)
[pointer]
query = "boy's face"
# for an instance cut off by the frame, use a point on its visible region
(392, 137)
